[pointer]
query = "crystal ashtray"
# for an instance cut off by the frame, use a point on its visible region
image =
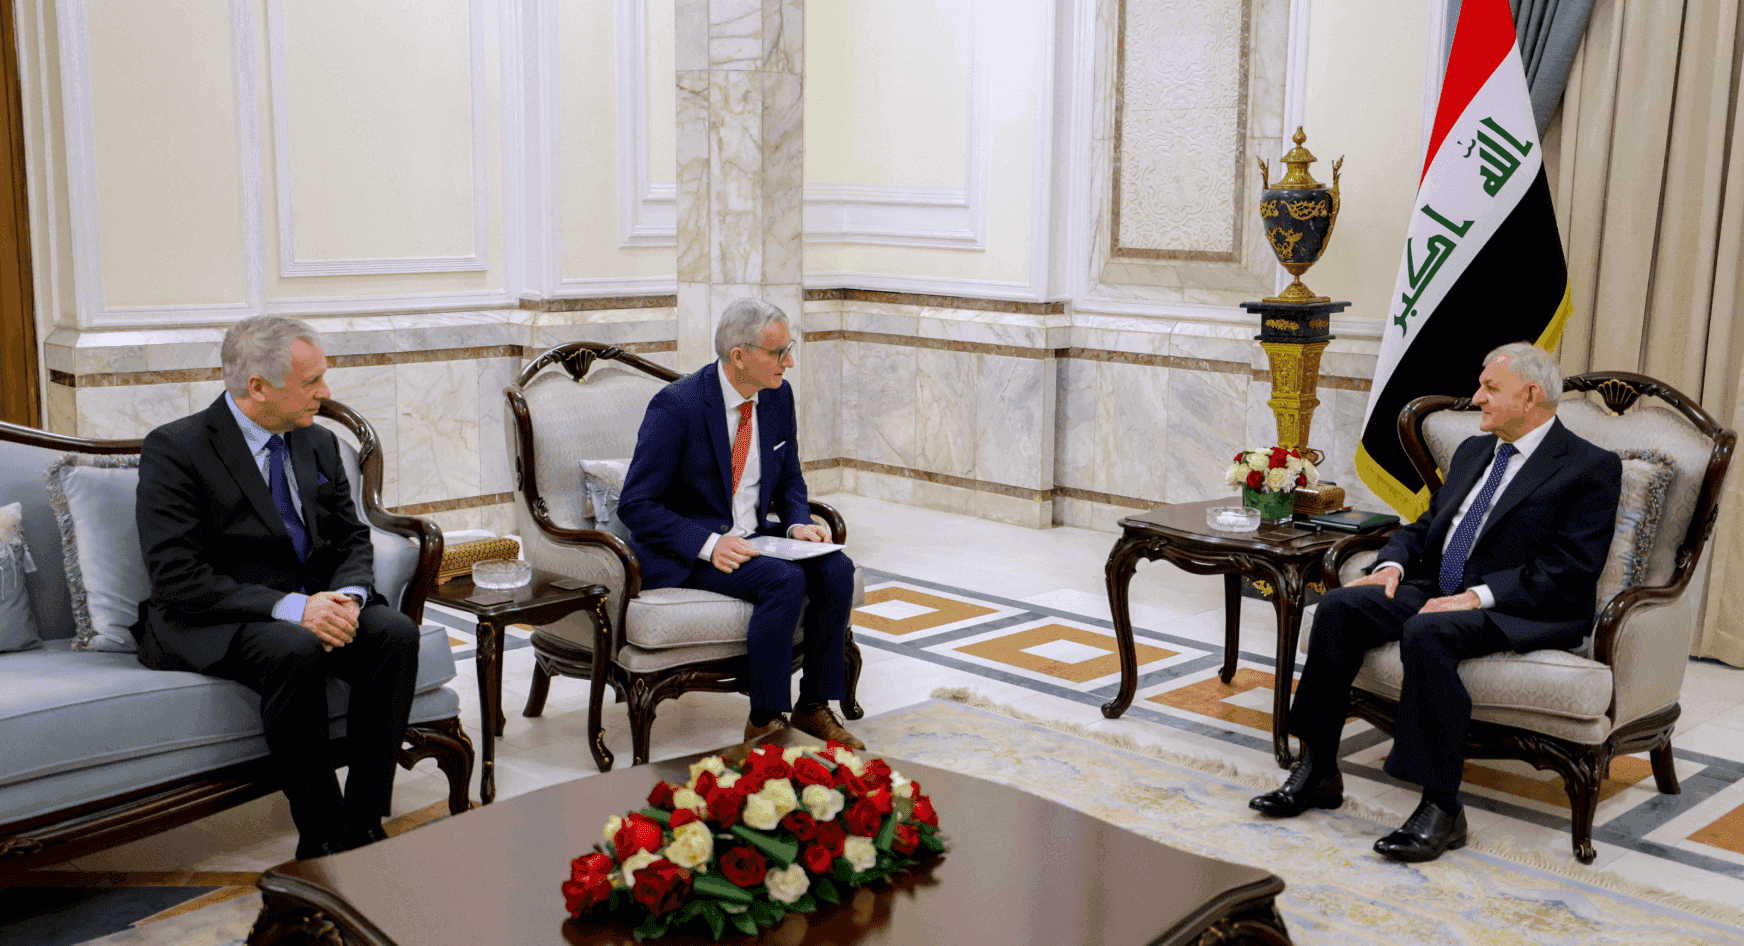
(501, 573)
(1233, 518)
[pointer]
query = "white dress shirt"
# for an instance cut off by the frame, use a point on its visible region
(1524, 448)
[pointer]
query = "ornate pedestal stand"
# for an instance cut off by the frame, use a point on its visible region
(1294, 335)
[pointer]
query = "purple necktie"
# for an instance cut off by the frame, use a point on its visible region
(281, 492)
(1453, 561)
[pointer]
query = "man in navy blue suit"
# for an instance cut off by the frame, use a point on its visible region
(716, 458)
(1506, 559)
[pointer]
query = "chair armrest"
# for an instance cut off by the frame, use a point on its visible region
(1344, 548)
(833, 519)
(612, 543)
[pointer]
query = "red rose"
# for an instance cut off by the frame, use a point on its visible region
(863, 818)
(809, 771)
(1240, 457)
(817, 858)
(637, 833)
(1255, 479)
(802, 824)
(767, 763)
(881, 800)
(907, 839)
(923, 810)
(831, 837)
(682, 817)
(725, 806)
(661, 887)
(854, 785)
(594, 863)
(1278, 457)
(582, 894)
(1301, 479)
(749, 785)
(743, 866)
(661, 796)
(705, 783)
(878, 772)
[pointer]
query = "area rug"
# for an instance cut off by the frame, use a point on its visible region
(1338, 890)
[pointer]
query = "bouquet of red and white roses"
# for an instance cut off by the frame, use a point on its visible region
(1272, 470)
(742, 846)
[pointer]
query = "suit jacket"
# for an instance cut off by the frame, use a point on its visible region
(216, 549)
(1544, 544)
(678, 490)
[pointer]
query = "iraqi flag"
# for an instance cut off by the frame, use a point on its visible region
(1483, 263)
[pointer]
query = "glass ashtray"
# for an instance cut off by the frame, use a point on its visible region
(501, 573)
(1233, 518)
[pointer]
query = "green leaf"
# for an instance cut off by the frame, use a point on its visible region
(805, 904)
(886, 834)
(932, 843)
(654, 927)
(745, 924)
(782, 852)
(664, 817)
(843, 872)
(687, 911)
(715, 917)
(761, 914)
(826, 891)
(720, 888)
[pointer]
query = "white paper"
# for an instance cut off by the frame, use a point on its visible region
(791, 550)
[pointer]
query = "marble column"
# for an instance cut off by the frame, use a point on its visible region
(741, 161)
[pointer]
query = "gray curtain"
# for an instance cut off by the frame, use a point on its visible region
(1550, 33)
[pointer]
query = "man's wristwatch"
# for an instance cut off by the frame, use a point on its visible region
(357, 598)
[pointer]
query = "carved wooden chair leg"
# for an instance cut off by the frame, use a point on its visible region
(1582, 786)
(643, 699)
(851, 700)
(540, 689)
(1664, 773)
(445, 741)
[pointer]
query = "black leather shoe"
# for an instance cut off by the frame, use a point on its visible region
(309, 847)
(1304, 789)
(1429, 831)
(369, 834)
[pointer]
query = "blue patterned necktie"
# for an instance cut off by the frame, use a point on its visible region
(1453, 561)
(281, 492)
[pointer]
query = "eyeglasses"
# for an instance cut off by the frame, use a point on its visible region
(779, 353)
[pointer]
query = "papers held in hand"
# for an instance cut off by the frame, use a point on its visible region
(1352, 520)
(790, 549)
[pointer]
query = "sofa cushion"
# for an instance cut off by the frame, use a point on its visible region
(1550, 691)
(17, 621)
(1647, 477)
(602, 481)
(665, 618)
(93, 499)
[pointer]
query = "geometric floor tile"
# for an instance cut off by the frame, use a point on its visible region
(896, 610)
(1069, 653)
(1626, 771)
(1212, 697)
(1726, 833)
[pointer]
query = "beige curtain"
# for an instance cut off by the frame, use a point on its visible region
(1647, 164)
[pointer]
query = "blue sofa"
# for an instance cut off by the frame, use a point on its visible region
(97, 750)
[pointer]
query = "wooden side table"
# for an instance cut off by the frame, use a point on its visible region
(539, 601)
(1284, 554)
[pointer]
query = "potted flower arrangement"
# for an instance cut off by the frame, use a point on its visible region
(742, 846)
(1267, 477)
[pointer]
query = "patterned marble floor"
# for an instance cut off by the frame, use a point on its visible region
(1019, 616)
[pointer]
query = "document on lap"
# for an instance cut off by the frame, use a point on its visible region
(790, 549)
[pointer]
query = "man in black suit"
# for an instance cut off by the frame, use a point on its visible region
(261, 573)
(1506, 559)
(717, 454)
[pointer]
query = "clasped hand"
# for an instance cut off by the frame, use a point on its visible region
(333, 618)
(1388, 579)
(732, 551)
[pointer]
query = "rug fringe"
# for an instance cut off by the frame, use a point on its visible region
(1503, 846)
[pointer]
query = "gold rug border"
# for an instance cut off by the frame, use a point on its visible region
(1505, 848)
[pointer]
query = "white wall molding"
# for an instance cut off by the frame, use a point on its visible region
(512, 60)
(85, 223)
(1295, 94)
(627, 286)
(925, 285)
(647, 209)
(289, 264)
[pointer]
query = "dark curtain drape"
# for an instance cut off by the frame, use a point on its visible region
(1550, 33)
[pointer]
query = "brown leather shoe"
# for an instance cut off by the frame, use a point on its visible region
(822, 723)
(775, 724)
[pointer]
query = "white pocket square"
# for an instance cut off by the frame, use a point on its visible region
(779, 446)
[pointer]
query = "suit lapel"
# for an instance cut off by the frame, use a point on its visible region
(227, 442)
(715, 415)
(302, 449)
(1538, 468)
(766, 434)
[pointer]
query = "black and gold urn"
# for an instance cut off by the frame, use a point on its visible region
(1297, 215)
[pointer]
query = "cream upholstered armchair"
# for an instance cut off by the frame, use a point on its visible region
(1618, 694)
(662, 642)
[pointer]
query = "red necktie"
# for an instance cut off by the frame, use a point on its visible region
(741, 443)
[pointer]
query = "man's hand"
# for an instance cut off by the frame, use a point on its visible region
(731, 552)
(332, 616)
(1387, 578)
(811, 533)
(1464, 601)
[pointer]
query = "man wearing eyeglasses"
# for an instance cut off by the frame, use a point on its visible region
(716, 457)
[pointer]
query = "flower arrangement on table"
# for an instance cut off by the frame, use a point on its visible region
(1268, 475)
(743, 846)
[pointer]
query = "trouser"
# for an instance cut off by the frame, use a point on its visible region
(287, 666)
(1434, 707)
(778, 590)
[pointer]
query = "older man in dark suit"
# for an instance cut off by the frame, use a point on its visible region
(717, 454)
(261, 573)
(1506, 559)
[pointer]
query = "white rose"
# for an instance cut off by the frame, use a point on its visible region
(760, 812)
(612, 825)
(636, 862)
(685, 798)
(693, 844)
(711, 764)
(845, 756)
(1237, 475)
(1311, 471)
(791, 754)
(900, 785)
(1259, 460)
(787, 884)
(860, 852)
(823, 803)
(1293, 464)
(727, 780)
(1277, 480)
(780, 791)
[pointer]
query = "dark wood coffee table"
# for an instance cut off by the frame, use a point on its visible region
(1284, 554)
(539, 601)
(1021, 869)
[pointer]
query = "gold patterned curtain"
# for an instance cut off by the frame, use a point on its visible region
(1647, 164)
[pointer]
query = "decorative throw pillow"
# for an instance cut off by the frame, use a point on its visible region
(1647, 478)
(602, 481)
(93, 500)
(17, 621)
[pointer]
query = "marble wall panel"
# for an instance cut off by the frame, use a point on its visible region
(819, 400)
(438, 431)
(1076, 386)
(656, 326)
(735, 32)
(692, 21)
(695, 327)
(1183, 53)
(878, 410)
(1014, 410)
(374, 392)
(882, 486)
(1011, 509)
(736, 176)
(437, 331)
(201, 394)
(693, 173)
(357, 334)
(129, 413)
(494, 472)
(943, 497)
(1086, 514)
(1177, 187)
(947, 390)
(1132, 429)
(182, 349)
(111, 351)
(987, 328)
(821, 316)
(1206, 413)
(820, 483)
(1214, 342)
(784, 36)
(880, 317)
(1121, 333)
(61, 410)
(782, 174)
